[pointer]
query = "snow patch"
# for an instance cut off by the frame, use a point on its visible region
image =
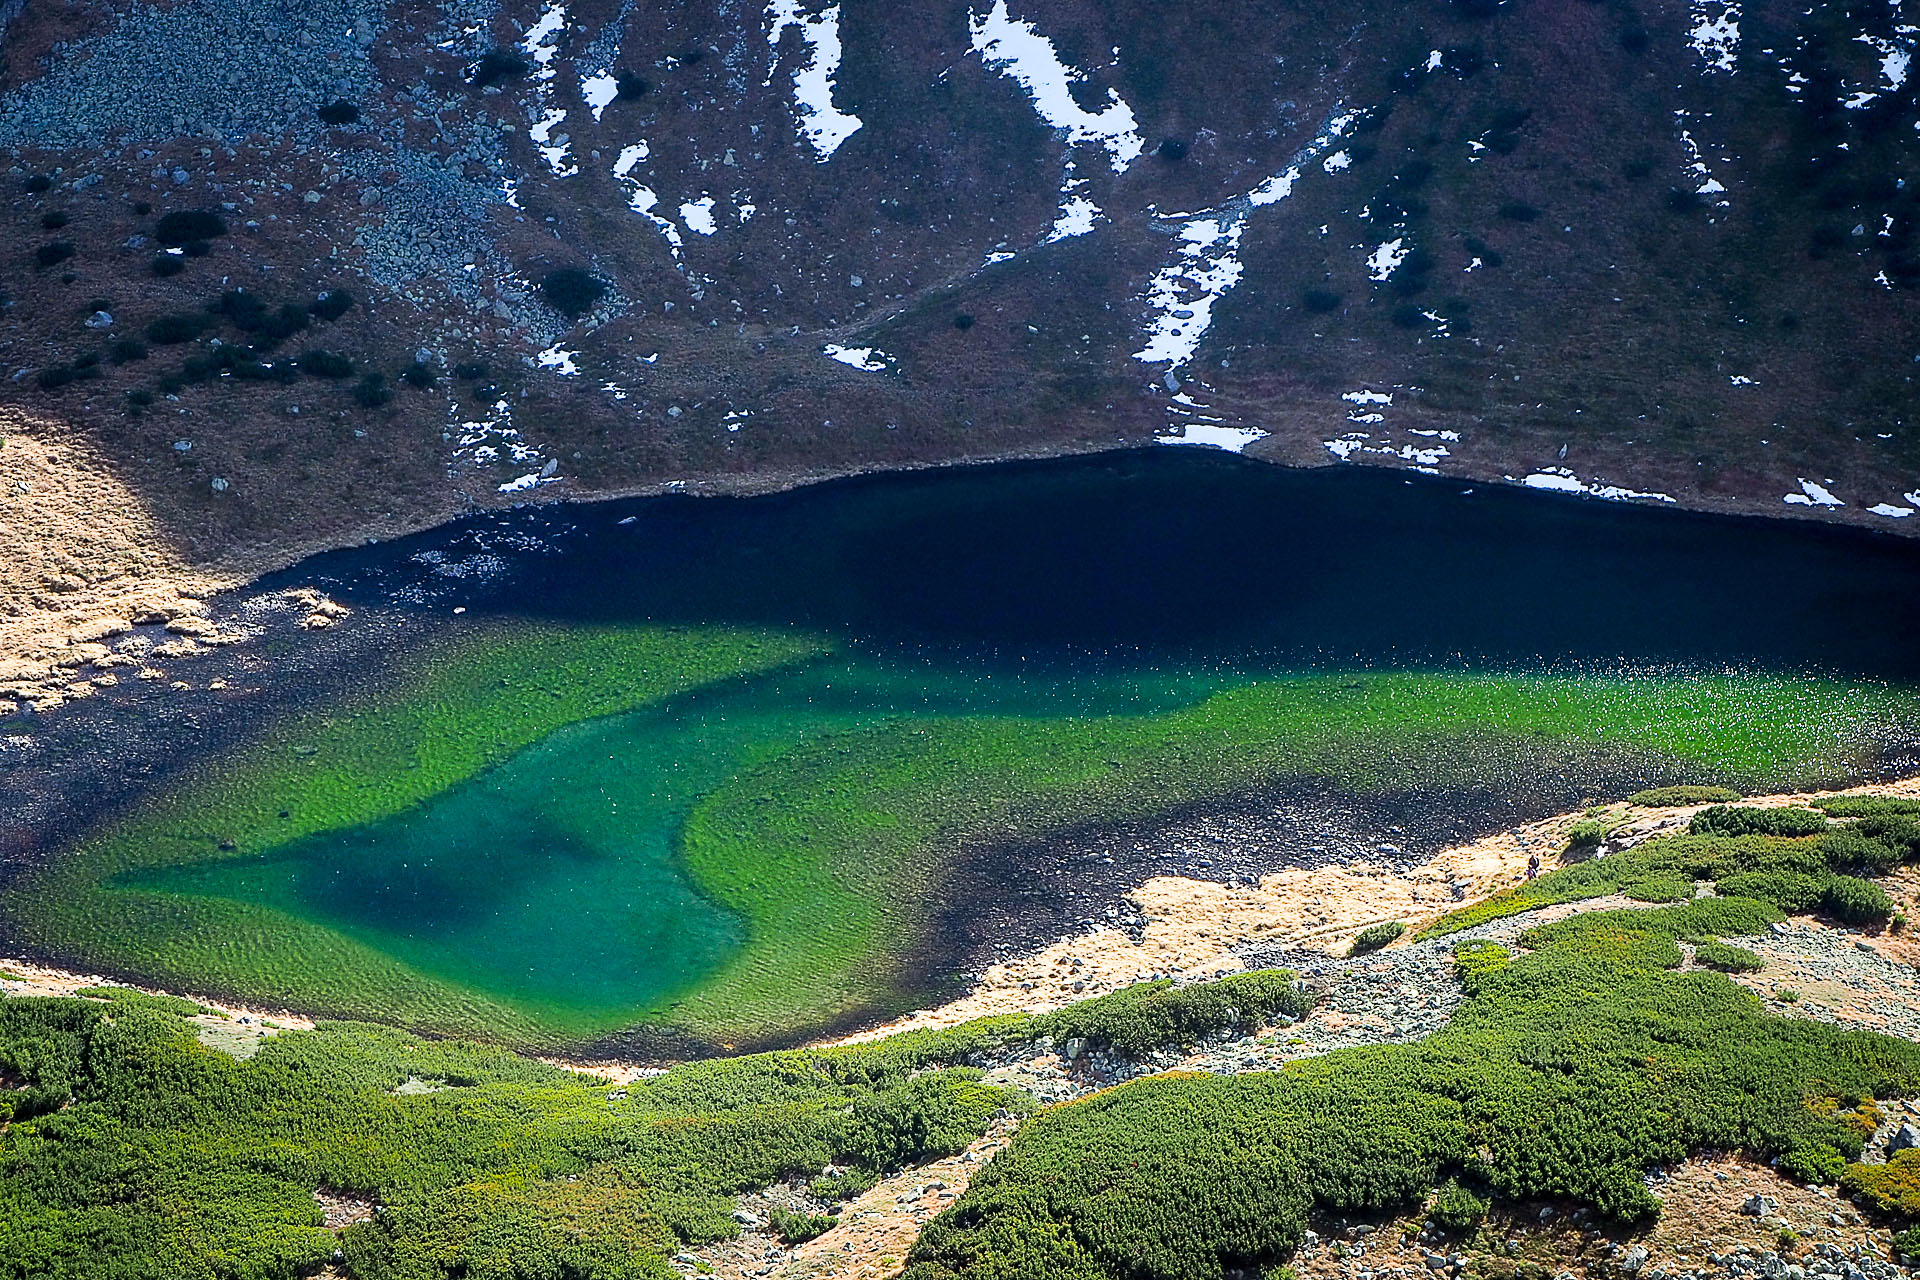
(1812, 495)
(1180, 298)
(1715, 35)
(1561, 480)
(1018, 50)
(1232, 439)
(561, 362)
(1382, 262)
(865, 359)
(641, 197)
(541, 45)
(1890, 511)
(822, 124)
(599, 91)
(698, 215)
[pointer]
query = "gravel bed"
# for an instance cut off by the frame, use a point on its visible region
(225, 67)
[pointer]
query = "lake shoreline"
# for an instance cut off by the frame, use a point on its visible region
(49, 639)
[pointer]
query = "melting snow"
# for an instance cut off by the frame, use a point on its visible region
(822, 124)
(1813, 495)
(1435, 59)
(1337, 161)
(1018, 50)
(561, 362)
(599, 91)
(1367, 397)
(1383, 260)
(1205, 267)
(865, 359)
(1705, 183)
(1182, 295)
(542, 46)
(1077, 217)
(494, 439)
(1232, 439)
(1561, 480)
(1890, 511)
(1425, 457)
(1741, 380)
(1716, 34)
(640, 197)
(698, 215)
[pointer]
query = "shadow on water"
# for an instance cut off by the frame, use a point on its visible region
(1189, 554)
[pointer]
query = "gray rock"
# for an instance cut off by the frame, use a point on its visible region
(1904, 1138)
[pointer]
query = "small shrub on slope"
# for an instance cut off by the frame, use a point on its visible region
(1734, 820)
(1727, 958)
(1376, 936)
(1455, 1209)
(1893, 1187)
(1154, 1015)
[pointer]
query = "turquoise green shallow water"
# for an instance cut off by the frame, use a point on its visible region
(554, 880)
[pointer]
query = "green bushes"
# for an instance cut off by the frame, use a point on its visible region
(331, 305)
(1893, 1187)
(316, 363)
(1156, 1015)
(1567, 1072)
(1852, 900)
(1586, 835)
(128, 998)
(171, 330)
(1375, 936)
(1474, 961)
(187, 226)
(1729, 820)
(572, 291)
(1662, 797)
(517, 1169)
(1793, 872)
(798, 1228)
(1727, 958)
(1848, 899)
(1455, 1209)
(53, 253)
(372, 391)
(1815, 1163)
(1664, 886)
(522, 1170)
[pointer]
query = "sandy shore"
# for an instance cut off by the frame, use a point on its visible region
(82, 561)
